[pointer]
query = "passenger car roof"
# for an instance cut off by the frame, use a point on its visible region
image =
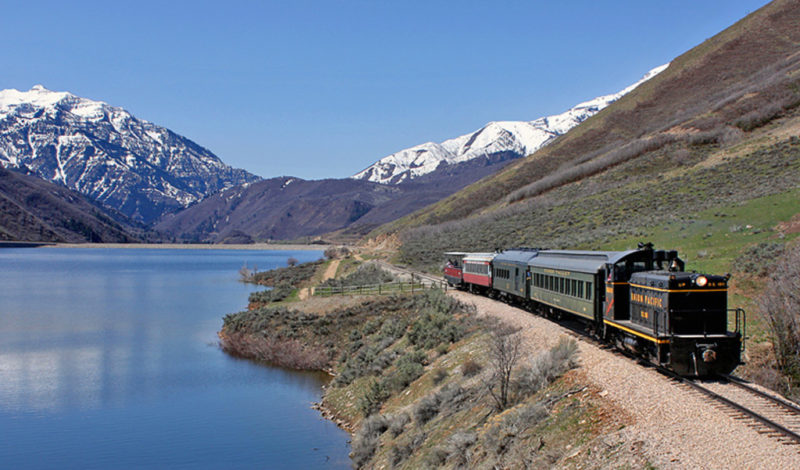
(482, 257)
(580, 261)
(516, 256)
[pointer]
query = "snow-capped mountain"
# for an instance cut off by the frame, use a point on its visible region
(500, 140)
(104, 152)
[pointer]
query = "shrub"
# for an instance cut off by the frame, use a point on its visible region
(439, 375)
(451, 398)
(757, 118)
(426, 409)
(457, 447)
(397, 423)
(780, 304)
(436, 458)
(574, 172)
(291, 276)
(759, 259)
(525, 417)
(366, 439)
(371, 326)
(500, 436)
(408, 368)
(373, 398)
(275, 294)
(432, 328)
(546, 367)
(394, 328)
(470, 367)
(336, 252)
(400, 453)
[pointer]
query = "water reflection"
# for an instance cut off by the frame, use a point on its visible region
(112, 351)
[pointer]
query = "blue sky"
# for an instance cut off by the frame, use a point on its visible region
(324, 89)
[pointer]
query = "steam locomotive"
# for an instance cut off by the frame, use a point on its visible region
(641, 300)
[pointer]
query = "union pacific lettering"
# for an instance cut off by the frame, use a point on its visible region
(646, 300)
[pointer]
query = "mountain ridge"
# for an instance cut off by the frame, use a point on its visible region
(104, 152)
(32, 209)
(503, 140)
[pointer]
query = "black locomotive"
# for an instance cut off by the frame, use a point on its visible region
(641, 300)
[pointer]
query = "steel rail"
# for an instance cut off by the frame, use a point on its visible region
(745, 411)
(778, 401)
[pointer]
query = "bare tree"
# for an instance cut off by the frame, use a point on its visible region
(292, 261)
(780, 305)
(504, 346)
(245, 273)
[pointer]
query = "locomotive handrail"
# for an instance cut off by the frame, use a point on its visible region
(740, 323)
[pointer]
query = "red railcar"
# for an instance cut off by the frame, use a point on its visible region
(478, 269)
(453, 270)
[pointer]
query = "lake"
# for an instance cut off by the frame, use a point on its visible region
(109, 359)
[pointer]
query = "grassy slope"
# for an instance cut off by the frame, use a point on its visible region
(704, 158)
(714, 84)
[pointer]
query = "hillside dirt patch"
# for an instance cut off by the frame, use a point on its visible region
(671, 426)
(790, 227)
(330, 271)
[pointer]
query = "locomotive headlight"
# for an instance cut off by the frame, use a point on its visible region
(701, 281)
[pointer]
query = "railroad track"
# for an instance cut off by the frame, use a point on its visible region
(769, 414)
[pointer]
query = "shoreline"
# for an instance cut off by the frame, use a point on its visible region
(192, 246)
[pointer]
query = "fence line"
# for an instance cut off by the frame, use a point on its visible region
(416, 286)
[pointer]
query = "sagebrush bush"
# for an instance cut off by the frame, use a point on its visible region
(366, 439)
(400, 453)
(448, 399)
(397, 423)
(275, 294)
(292, 275)
(433, 328)
(780, 304)
(453, 398)
(436, 457)
(373, 398)
(471, 367)
(759, 259)
(426, 409)
(545, 368)
(457, 447)
(502, 434)
(408, 368)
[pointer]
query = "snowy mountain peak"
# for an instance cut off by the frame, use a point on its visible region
(106, 153)
(496, 141)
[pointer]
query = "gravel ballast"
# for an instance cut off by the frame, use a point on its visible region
(678, 427)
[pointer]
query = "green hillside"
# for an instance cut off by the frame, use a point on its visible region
(704, 158)
(717, 96)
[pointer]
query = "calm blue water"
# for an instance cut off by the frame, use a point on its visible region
(109, 359)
